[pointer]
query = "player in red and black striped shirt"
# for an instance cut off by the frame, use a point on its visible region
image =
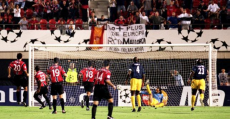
(101, 90)
(88, 75)
(56, 72)
(20, 71)
(42, 80)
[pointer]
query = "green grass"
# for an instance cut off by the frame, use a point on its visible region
(76, 112)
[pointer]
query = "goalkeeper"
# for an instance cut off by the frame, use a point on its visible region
(155, 96)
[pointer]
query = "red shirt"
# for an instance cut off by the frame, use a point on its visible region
(32, 24)
(56, 73)
(170, 10)
(89, 74)
(102, 76)
(18, 67)
(40, 76)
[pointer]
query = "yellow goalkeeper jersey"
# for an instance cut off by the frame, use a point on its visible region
(71, 76)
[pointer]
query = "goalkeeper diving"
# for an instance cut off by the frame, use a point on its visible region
(155, 96)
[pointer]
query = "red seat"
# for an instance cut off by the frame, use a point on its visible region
(52, 24)
(29, 13)
(207, 23)
(79, 23)
(69, 21)
(22, 12)
(43, 24)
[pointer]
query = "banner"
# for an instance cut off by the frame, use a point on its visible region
(96, 37)
(131, 34)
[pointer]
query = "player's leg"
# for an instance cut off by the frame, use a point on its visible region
(202, 90)
(18, 95)
(110, 108)
(60, 92)
(46, 97)
(94, 109)
(194, 86)
(39, 100)
(54, 95)
(25, 94)
(133, 92)
(139, 84)
(87, 100)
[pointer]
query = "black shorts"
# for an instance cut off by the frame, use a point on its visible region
(101, 92)
(88, 86)
(21, 80)
(57, 88)
(44, 90)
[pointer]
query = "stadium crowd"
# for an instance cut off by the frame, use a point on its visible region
(156, 14)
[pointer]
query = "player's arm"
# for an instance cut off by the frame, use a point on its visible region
(25, 70)
(143, 76)
(191, 76)
(9, 72)
(63, 72)
(110, 83)
(128, 76)
(47, 80)
(39, 86)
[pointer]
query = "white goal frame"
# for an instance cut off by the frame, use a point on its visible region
(31, 50)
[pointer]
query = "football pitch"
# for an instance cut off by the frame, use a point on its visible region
(76, 112)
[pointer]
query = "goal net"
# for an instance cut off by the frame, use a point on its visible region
(165, 65)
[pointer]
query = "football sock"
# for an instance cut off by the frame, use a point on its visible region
(47, 99)
(133, 101)
(110, 109)
(18, 96)
(160, 105)
(62, 103)
(148, 89)
(94, 109)
(25, 96)
(139, 100)
(38, 99)
(54, 104)
(87, 101)
(202, 96)
(193, 100)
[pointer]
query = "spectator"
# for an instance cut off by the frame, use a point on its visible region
(137, 18)
(223, 17)
(9, 23)
(62, 28)
(2, 8)
(73, 9)
(198, 20)
(154, 11)
(120, 5)
(93, 15)
(170, 9)
(84, 7)
(202, 7)
(55, 9)
(178, 78)
(132, 8)
(29, 4)
(120, 21)
(38, 8)
(147, 6)
(17, 15)
(213, 9)
(64, 10)
(185, 19)
(223, 78)
(143, 18)
(131, 19)
(11, 7)
(48, 11)
(23, 23)
(156, 20)
(92, 22)
(21, 3)
(33, 23)
(173, 21)
(102, 21)
(70, 28)
(113, 10)
(1, 23)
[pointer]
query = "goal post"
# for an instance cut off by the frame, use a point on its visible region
(159, 61)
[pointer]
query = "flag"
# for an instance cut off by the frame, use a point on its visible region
(96, 36)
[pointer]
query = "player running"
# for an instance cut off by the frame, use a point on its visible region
(88, 75)
(197, 75)
(20, 71)
(56, 73)
(42, 81)
(101, 90)
(155, 96)
(136, 71)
